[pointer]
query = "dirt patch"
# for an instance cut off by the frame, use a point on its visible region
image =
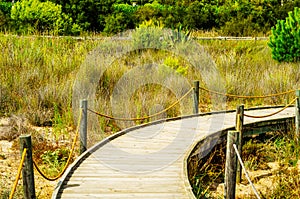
(264, 181)
(13, 127)
(10, 129)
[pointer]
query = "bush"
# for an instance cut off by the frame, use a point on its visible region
(285, 38)
(33, 15)
(148, 12)
(5, 8)
(200, 16)
(173, 64)
(149, 34)
(120, 20)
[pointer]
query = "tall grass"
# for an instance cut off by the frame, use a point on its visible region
(37, 75)
(249, 69)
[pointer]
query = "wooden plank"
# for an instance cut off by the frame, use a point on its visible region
(110, 171)
(114, 189)
(103, 175)
(127, 195)
(97, 163)
(122, 182)
(168, 150)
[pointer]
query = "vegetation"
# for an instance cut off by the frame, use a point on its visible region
(49, 153)
(37, 74)
(33, 15)
(44, 69)
(230, 17)
(285, 38)
(275, 148)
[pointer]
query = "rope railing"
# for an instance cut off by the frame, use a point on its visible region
(271, 114)
(18, 174)
(246, 173)
(68, 160)
(146, 117)
(210, 91)
(246, 96)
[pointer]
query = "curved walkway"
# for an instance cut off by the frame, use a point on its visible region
(150, 161)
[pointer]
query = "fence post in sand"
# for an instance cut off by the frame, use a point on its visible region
(230, 165)
(239, 128)
(27, 171)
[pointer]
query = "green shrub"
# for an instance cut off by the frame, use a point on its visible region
(5, 8)
(121, 19)
(149, 11)
(173, 63)
(200, 15)
(179, 35)
(33, 15)
(54, 161)
(150, 34)
(285, 38)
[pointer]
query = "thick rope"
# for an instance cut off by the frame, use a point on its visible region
(69, 158)
(142, 118)
(246, 96)
(18, 174)
(269, 115)
(246, 173)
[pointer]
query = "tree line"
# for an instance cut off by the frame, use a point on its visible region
(71, 17)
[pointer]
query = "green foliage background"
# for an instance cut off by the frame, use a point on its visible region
(70, 17)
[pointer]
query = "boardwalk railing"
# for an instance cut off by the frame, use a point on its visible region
(82, 130)
(233, 168)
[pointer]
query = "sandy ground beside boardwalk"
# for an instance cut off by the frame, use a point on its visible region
(9, 162)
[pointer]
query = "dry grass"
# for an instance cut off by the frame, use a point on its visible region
(249, 69)
(37, 76)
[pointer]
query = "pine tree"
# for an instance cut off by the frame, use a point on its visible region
(285, 38)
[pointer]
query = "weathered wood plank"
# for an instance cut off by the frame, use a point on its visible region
(102, 175)
(146, 190)
(126, 195)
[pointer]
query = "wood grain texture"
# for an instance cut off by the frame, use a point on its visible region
(150, 161)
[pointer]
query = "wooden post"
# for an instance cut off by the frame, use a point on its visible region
(196, 97)
(297, 118)
(27, 172)
(83, 126)
(230, 165)
(239, 127)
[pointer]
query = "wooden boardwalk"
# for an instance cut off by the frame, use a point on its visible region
(150, 161)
